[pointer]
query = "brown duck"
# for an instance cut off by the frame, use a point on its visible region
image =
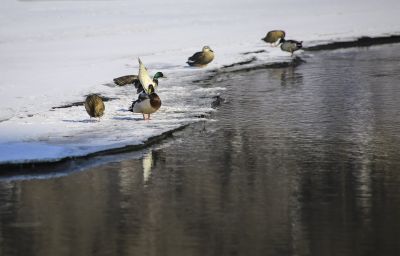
(94, 105)
(201, 59)
(273, 36)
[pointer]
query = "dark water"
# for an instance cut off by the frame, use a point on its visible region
(299, 161)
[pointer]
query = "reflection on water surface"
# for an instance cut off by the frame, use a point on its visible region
(299, 161)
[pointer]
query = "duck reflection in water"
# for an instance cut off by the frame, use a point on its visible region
(289, 76)
(147, 163)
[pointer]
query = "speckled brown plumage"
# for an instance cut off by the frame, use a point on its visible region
(94, 105)
(273, 36)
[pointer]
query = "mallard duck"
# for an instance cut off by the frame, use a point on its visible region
(94, 105)
(290, 45)
(147, 103)
(201, 59)
(273, 36)
(124, 80)
(139, 87)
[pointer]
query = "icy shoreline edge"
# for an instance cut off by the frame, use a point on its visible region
(11, 167)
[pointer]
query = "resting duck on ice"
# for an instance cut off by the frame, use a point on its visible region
(201, 59)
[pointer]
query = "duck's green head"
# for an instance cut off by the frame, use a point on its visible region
(158, 75)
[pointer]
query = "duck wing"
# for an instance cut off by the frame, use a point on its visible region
(195, 57)
(144, 77)
(124, 80)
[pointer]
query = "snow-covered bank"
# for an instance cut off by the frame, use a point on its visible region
(55, 52)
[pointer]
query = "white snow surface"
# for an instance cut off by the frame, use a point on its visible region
(53, 53)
